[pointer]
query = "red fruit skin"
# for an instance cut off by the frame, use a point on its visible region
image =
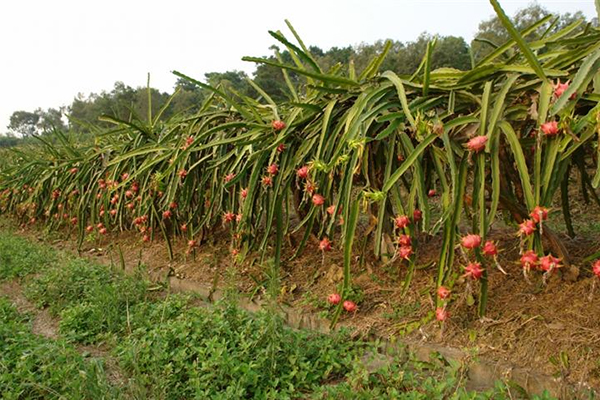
(490, 249)
(473, 271)
(477, 143)
(550, 128)
(529, 259)
(417, 215)
(560, 88)
(146, 238)
(229, 177)
(273, 169)
(548, 263)
(441, 314)
(349, 306)
(471, 241)
(596, 268)
(89, 229)
(103, 231)
(334, 299)
(278, 125)
(325, 245)
(539, 214)
(527, 227)
(401, 221)
(310, 187)
(405, 252)
(167, 214)
(302, 172)
(228, 216)
(404, 240)
(431, 193)
(443, 292)
(318, 200)
(267, 181)
(244, 193)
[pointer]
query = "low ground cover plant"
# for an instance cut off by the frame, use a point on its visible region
(34, 367)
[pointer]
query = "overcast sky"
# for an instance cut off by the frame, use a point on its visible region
(52, 50)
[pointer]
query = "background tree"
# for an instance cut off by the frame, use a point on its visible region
(50, 119)
(492, 33)
(23, 123)
(125, 102)
(8, 140)
(234, 80)
(38, 122)
(189, 98)
(271, 79)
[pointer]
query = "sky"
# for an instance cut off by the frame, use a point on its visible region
(53, 50)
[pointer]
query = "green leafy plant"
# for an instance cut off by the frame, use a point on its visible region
(34, 367)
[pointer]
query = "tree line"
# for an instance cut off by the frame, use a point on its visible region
(125, 102)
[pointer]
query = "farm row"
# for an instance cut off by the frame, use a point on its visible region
(438, 153)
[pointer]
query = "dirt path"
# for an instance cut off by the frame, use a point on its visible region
(44, 324)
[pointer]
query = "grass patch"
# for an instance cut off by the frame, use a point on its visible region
(416, 380)
(227, 353)
(93, 301)
(33, 367)
(19, 258)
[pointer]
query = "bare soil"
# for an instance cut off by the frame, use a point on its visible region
(46, 325)
(43, 323)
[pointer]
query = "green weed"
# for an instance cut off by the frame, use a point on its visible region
(19, 258)
(33, 367)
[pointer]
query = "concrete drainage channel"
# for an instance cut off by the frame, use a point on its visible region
(481, 375)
